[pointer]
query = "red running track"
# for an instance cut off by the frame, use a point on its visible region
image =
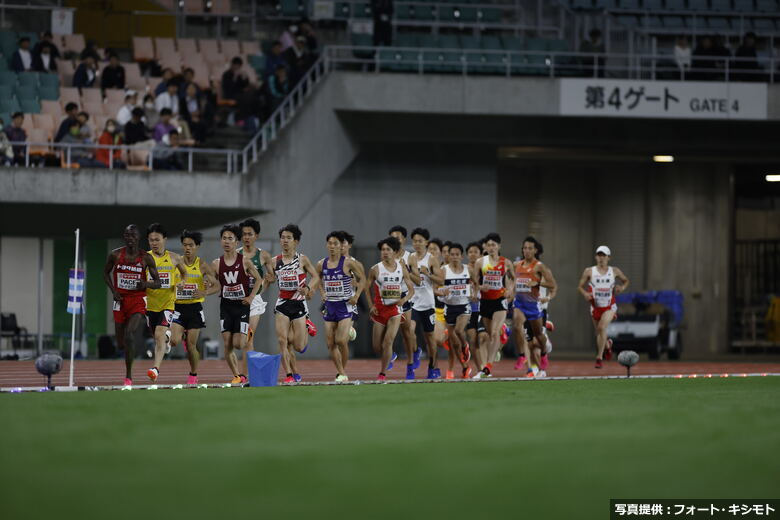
(100, 373)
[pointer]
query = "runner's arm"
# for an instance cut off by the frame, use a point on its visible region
(107, 271)
(584, 279)
(436, 274)
(319, 272)
(414, 271)
(547, 280)
(623, 279)
(212, 286)
(152, 268)
(370, 279)
(410, 286)
(315, 278)
(179, 263)
(270, 276)
(252, 271)
(356, 270)
(509, 281)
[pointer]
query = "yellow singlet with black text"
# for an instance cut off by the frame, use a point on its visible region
(164, 298)
(193, 281)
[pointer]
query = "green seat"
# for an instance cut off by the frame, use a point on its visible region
(3, 65)
(362, 40)
(342, 10)
(6, 91)
(424, 12)
(496, 61)
(564, 65)
(257, 61)
(30, 106)
(404, 12)
(10, 105)
(50, 93)
(26, 93)
(512, 43)
(7, 77)
(28, 79)
(290, 8)
(362, 10)
(449, 58)
(490, 15)
(490, 42)
(6, 118)
(47, 79)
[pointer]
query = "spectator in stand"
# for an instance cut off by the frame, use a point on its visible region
(234, 81)
(190, 102)
(593, 45)
(197, 127)
(383, 21)
(704, 63)
(85, 74)
(188, 78)
(47, 40)
(311, 38)
(71, 114)
(17, 134)
(126, 111)
(273, 60)
(44, 60)
(168, 99)
(151, 116)
(287, 39)
(167, 76)
(165, 155)
(84, 129)
(110, 136)
(299, 58)
(164, 125)
(722, 52)
(90, 51)
(84, 157)
(6, 151)
(747, 60)
(278, 86)
(113, 75)
(682, 55)
(135, 130)
(21, 59)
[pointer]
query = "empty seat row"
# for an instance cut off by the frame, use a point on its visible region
(146, 48)
(744, 6)
(716, 23)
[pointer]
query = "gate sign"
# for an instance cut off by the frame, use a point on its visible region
(662, 99)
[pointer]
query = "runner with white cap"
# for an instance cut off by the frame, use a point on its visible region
(597, 285)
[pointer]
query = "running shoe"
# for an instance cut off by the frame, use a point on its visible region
(431, 373)
(288, 380)
(392, 359)
(466, 357)
(541, 373)
(529, 374)
(481, 375)
(437, 373)
(449, 375)
(341, 378)
(168, 341)
(504, 334)
(152, 374)
(128, 382)
(192, 380)
(382, 378)
(311, 328)
(608, 350)
(297, 378)
(535, 369)
(543, 362)
(243, 378)
(519, 363)
(599, 363)
(236, 380)
(550, 326)
(410, 371)
(416, 358)
(466, 373)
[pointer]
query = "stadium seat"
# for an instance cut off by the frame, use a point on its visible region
(627, 20)
(673, 22)
(163, 46)
(27, 122)
(91, 95)
(604, 4)
(404, 12)
(766, 6)
(582, 4)
(362, 10)
(424, 12)
(39, 135)
(10, 105)
(53, 108)
(172, 61)
(230, 48)
(628, 4)
(698, 5)
(744, 6)
(133, 77)
(187, 46)
(191, 6)
(764, 25)
(69, 95)
(290, 8)
(26, 93)
(143, 50)
(221, 6)
(5, 117)
(209, 49)
(49, 80)
(65, 71)
(672, 5)
(7, 77)
(44, 121)
(73, 43)
(28, 79)
(30, 106)
(115, 96)
(251, 48)
(99, 123)
(6, 91)
(92, 108)
(653, 4)
(720, 5)
(718, 23)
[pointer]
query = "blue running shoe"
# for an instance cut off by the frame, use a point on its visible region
(416, 358)
(393, 358)
(297, 378)
(431, 373)
(304, 349)
(436, 373)
(410, 371)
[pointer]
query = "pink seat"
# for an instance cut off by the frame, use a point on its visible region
(44, 121)
(143, 50)
(220, 6)
(69, 95)
(133, 77)
(27, 124)
(53, 108)
(187, 46)
(170, 60)
(93, 109)
(192, 6)
(110, 110)
(115, 96)
(91, 95)
(65, 71)
(39, 135)
(163, 46)
(231, 48)
(251, 47)
(73, 43)
(208, 47)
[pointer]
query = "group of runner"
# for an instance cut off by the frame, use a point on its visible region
(458, 296)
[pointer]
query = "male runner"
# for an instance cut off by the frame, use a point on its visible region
(456, 293)
(439, 325)
(407, 324)
(424, 300)
(530, 275)
(233, 272)
(290, 269)
(340, 296)
(497, 278)
(386, 280)
(188, 316)
(124, 275)
(597, 285)
(346, 245)
(161, 302)
(475, 330)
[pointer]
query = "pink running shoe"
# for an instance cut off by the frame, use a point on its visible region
(608, 350)
(543, 362)
(382, 378)
(192, 380)
(128, 382)
(550, 326)
(311, 328)
(520, 362)
(504, 334)
(243, 378)
(288, 380)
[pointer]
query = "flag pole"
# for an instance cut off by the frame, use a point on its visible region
(73, 319)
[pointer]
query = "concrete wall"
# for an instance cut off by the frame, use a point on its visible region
(757, 224)
(19, 280)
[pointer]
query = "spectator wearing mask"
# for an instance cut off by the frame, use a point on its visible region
(167, 77)
(85, 74)
(273, 60)
(82, 156)
(113, 75)
(234, 81)
(168, 99)
(126, 111)
(110, 136)
(682, 55)
(44, 60)
(47, 40)
(164, 125)
(21, 59)
(17, 134)
(278, 87)
(165, 155)
(135, 130)
(71, 113)
(151, 116)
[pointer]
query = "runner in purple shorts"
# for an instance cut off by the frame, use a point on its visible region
(340, 294)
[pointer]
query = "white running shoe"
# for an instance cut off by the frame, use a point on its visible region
(541, 373)
(480, 375)
(341, 378)
(168, 341)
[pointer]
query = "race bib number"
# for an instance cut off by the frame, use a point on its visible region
(523, 285)
(493, 279)
(288, 281)
(233, 292)
(602, 296)
(335, 289)
(459, 291)
(186, 291)
(390, 291)
(117, 306)
(128, 281)
(165, 279)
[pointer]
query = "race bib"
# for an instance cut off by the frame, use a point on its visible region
(186, 291)
(522, 285)
(336, 289)
(603, 297)
(390, 291)
(459, 291)
(233, 292)
(493, 279)
(128, 281)
(165, 279)
(288, 281)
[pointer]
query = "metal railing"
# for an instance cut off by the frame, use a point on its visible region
(33, 149)
(423, 60)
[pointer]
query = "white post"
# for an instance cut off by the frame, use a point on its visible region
(73, 320)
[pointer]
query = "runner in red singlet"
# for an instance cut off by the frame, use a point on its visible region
(125, 274)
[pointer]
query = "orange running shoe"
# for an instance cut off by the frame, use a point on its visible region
(152, 374)
(466, 373)
(449, 375)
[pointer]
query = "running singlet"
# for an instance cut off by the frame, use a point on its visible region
(127, 273)
(423, 298)
(234, 279)
(257, 260)
(602, 286)
(493, 277)
(389, 284)
(163, 298)
(290, 277)
(193, 281)
(459, 285)
(337, 284)
(526, 281)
